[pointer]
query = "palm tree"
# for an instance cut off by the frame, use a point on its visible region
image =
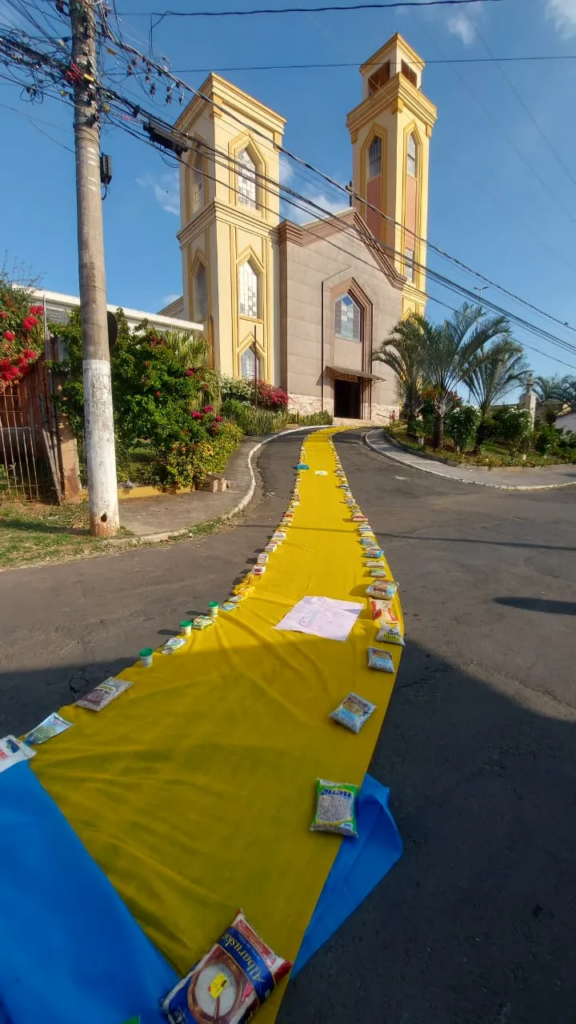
(568, 392)
(188, 348)
(499, 369)
(403, 351)
(453, 351)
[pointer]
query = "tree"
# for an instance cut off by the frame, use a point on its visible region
(187, 348)
(567, 391)
(403, 351)
(548, 388)
(500, 368)
(453, 351)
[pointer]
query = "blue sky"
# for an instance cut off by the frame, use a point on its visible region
(500, 200)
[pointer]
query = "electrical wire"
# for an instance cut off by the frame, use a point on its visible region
(358, 64)
(329, 8)
(359, 199)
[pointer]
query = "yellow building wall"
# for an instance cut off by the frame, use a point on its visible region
(226, 232)
(392, 112)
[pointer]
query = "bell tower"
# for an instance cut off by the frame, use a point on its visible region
(390, 131)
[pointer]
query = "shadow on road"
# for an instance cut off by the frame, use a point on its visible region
(539, 604)
(475, 925)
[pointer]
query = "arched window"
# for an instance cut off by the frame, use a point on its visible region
(347, 318)
(246, 179)
(199, 294)
(248, 288)
(197, 184)
(249, 364)
(412, 157)
(375, 157)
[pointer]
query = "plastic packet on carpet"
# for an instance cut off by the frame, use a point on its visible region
(103, 694)
(383, 610)
(390, 635)
(51, 726)
(262, 558)
(379, 574)
(380, 660)
(13, 751)
(373, 563)
(353, 712)
(202, 622)
(230, 983)
(259, 570)
(372, 552)
(229, 606)
(384, 589)
(173, 644)
(335, 808)
(321, 472)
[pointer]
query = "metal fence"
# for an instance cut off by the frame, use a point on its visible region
(30, 462)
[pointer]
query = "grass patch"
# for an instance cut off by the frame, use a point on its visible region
(492, 455)
(31, 533)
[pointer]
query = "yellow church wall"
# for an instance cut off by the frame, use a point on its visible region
(226, 232)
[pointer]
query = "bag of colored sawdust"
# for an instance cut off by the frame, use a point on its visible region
(230, 983)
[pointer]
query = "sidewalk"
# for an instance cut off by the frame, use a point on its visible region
(170, 514)
(509, 478)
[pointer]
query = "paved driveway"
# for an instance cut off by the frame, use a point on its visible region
(476, 924)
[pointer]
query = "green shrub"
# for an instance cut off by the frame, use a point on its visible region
(232, 408)
(313, 419)
(259, 421)
(236, 388)
(185, 464)
(514, 428)
(461, 425)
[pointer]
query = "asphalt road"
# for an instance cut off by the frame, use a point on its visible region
(476, 923)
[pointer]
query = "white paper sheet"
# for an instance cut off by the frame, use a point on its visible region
(322, 616)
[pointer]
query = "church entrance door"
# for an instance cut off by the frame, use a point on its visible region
(347, 402)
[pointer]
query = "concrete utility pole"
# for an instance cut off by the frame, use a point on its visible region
(99, 420)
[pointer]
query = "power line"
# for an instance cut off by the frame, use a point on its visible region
(501, 130)
(358, 64)
(163, 72)
(522, 103)
(223, 159)
(303, 10)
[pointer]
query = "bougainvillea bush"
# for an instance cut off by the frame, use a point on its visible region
(21, 332)
(157, 408)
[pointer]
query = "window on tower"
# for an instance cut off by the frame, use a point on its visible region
(249, 364)
(197, 187)
(375, 157)
(347, 318)
(246, 179)
(409, 264)
(199, 310)
(248, 290)
(412, 157)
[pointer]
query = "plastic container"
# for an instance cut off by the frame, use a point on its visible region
(213, 609)
(146, 655)
(186, 627)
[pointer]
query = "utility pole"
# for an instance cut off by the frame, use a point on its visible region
(98, 414)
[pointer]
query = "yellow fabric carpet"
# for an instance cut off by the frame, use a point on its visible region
(194, 790)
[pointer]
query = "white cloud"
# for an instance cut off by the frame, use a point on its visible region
(327, 205)
(460, 25)
(166, 189)
(168, 299)
(286, 169)
(563, 14)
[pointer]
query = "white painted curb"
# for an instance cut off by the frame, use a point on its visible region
(463, 479)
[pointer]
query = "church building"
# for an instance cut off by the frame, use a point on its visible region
(304, 306)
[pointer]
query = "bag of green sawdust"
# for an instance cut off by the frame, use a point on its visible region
(230, 983)
(335, 808)
(390, 635)
(353, 712)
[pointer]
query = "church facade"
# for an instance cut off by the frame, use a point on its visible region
(304, 306)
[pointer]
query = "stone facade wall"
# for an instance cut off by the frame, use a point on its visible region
(382, 414)
(308, 404)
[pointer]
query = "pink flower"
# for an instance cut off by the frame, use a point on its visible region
(9, 335)
(3, 314)
(208, 408)
(157, 394)
(28, 323)
(190, 371)
(196, 415)
(218, 419)
(28, 353)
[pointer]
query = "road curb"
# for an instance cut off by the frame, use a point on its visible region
(461, 479)
(159, 538)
